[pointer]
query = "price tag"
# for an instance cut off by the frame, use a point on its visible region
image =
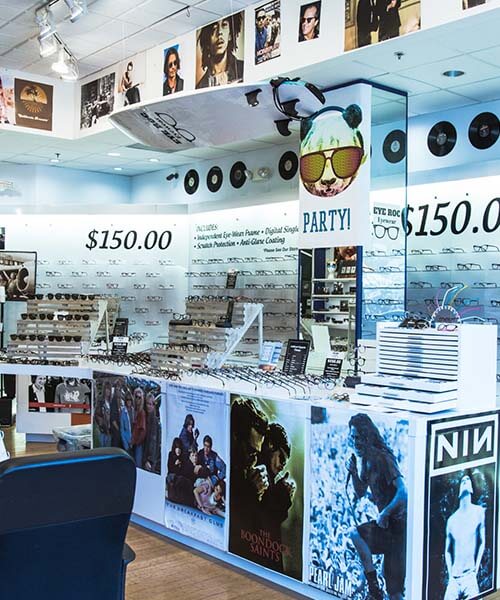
(333, 367)
(119, 345)
(297, 352)
(232, 276)
(270, 355)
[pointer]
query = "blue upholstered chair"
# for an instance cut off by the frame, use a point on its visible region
(63, 522)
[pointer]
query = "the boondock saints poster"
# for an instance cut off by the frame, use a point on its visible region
(267, 474)
(358, 504)
(461, 508)
(195, 487)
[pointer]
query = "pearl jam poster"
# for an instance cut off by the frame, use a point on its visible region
(461, 522)
(267, 440)
(195, 486)
(33, 104)
(335, 171)
(358, 503)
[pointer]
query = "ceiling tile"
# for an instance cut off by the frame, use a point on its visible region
(475, 70)
(196, 18)
(113, 8)
(482, 91)
(471, 34)
(437, 101)
(220, 7)
(82, 27)
(411, 86)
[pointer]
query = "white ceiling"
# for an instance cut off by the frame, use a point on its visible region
(116, 29)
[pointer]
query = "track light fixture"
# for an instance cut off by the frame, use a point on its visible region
(45, 21)
(48, 46)
(66, 65)
(76, 9)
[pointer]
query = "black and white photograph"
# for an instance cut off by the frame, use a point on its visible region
(358, 504)
(18, 274)
(267, 31)
(98, 100)
(131, 81)
(461, 508)
(466, 4)
(47, 394)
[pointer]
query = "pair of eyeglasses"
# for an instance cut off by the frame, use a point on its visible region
(128, 298)
(485, 284)
(380, 231)
(448, 285)
(140, 286)
(422, 251)
(467, 301)
(454, 250)
(126, 274)
(166, 311)
(141, 310)
(166, 286)
(115, 261)
(375, 253)
(151, 323)
(53, 273)
(397, 252)
(447, 326)
(392, 269)
(79, 274)
(181, 317)
(436, 268)
(89, 286)
(112, 286)
(469, 267)
(202, 323)
(344, 162)
(495, 303)
(88, 261)
(154, 274)
(65, 286)
(485, 248)
(495, 266)
(421, 284)
(165, 261)
(103, 274)
(154, 298)
(414, 323)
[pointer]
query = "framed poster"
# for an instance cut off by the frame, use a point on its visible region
(18, 274)
(461, 507)
(33, 104)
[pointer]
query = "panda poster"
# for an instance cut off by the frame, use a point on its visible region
(358, 482)
(461, 511)
(335, 171)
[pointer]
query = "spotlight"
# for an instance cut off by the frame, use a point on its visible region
(45, 21)
(48, 46)
(264, 173)
(76, 9)
(72, 73)
(61, 66)
(172, 176)
(252, 97)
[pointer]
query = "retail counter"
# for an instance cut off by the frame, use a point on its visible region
(294, 487)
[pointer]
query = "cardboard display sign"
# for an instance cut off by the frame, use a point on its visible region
(335, 171)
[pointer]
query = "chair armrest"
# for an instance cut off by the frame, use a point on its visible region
(128, 555)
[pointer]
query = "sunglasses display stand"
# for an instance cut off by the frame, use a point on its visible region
(58, 328)
(431, 370)
(207, 339)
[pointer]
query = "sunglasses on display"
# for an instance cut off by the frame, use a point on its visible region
(454, 250)
(414, 323)
(79, 274)
(485, 284)
(128, 274)
(344, 162)
(60, 296)
(422, 252)
(421, 284)
(495, 303)
(53, 273)
(436, 268)
(469, 267)
(467, 301)
(495, 266)
(42, 338)
(448, 285)
(447, 326)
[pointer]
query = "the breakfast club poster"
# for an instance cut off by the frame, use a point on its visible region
(195, 486)
(33, 104)
(358, 503)
(335, 171)
(267, 482)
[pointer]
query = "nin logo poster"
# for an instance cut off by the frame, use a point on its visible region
(461, 508)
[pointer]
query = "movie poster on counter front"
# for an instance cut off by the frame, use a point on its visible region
(461, 508)
(126, 415)
(334, 196)
(267, 439)
(33, 104)
(358, 503)
(195, 486)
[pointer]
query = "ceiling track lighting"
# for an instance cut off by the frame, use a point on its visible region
(77, 8)
(66, 65)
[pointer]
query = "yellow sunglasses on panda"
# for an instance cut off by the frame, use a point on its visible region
(345, 161)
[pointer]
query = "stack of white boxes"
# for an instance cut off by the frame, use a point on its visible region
(431, 370)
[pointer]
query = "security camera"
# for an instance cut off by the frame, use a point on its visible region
(252, 97)
(172, 176)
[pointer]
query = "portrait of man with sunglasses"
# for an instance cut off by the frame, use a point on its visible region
(309, 21)
(172, 81)
(332, 150)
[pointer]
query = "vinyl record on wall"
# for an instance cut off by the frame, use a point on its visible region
(214, 179)
(442, 138)
(237, 175)
(484, 130)
(394, 147)
(191, 181)
(288, 165)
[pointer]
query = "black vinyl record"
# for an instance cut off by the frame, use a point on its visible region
(214, 179)
(288, 165)
(484, 130)
(237, 175)
(442, 138)
(191, 181)
(394, 147)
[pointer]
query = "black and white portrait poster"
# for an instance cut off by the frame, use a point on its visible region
(267, 482)
(358, 503)
(466, 4)
(98, 100)
(195, 487)
(267, 31)
(460, 529)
